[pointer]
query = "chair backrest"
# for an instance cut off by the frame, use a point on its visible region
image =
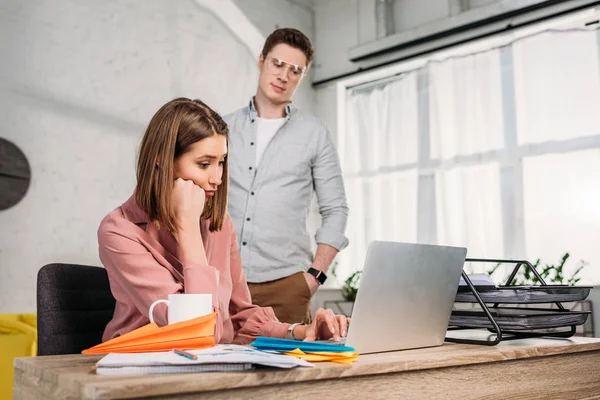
(74, 305)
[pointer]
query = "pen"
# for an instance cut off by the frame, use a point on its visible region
(185, 354)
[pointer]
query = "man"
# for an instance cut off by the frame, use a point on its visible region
(278, 156)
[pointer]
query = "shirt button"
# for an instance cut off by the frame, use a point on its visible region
(250, 168)
(252, 193)
(247, 219)
(243, 243)
(251, 143)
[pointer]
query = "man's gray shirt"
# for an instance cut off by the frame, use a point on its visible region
(269, 202)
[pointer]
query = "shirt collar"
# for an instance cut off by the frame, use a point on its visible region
(290, 108)
(133, 212)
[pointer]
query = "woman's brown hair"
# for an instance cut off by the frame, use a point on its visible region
(172, 130)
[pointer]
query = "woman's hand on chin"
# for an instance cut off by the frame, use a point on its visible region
(187, 202)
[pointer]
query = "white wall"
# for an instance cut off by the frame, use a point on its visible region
(268, 15)
(78, 83)
(336, 30)
(410, 14)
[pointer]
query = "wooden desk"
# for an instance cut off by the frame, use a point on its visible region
(528, 369)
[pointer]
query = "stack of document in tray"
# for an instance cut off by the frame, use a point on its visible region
(310, 351)
(214, 359)
(480, 281)
(521, 315)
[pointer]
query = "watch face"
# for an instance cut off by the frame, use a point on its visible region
(319, 275)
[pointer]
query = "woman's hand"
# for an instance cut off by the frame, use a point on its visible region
(325, 325)
(187, 201)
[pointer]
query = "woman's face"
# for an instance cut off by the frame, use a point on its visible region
(202, 163)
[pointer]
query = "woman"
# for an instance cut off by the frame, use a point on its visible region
(174, 235)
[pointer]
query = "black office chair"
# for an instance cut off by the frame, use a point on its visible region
(74, 305)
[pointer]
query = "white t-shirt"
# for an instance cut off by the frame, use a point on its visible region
(265, 130)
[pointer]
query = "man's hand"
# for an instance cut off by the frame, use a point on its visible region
(312, 283)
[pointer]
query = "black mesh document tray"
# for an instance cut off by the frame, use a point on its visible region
(526, 294)
(506, 323)
(519, 318)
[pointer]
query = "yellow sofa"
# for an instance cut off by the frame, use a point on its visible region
(18, 338)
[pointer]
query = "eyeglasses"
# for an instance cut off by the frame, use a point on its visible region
(292, 71)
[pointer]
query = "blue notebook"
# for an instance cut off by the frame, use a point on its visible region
(282, 345)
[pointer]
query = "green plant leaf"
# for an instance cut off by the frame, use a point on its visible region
(550, 273)
(350, 287)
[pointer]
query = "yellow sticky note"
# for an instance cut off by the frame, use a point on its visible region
(343, 357)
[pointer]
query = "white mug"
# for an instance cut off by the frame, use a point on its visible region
(184, 306)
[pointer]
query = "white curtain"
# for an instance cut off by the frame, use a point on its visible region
(468, 210)
(497, 151)
(556, 86)
(465, 105)
(466, 119)
(382, 199)
(557, 81)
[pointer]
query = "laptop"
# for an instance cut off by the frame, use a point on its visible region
(405, 296)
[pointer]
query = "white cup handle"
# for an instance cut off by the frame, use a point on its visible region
(150, 317)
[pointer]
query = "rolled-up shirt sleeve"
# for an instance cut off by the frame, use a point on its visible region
(331, 195)
(249, 320)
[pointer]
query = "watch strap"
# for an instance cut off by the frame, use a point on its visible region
(290, 331)
(319, 275)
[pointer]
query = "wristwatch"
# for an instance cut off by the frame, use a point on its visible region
(290, 331)
(319, 275)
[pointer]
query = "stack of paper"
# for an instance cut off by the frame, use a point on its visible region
(479, 280)
(310, 351)
(217, 358)
(197, 333)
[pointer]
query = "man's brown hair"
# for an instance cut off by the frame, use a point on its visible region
(291, 37)
(173, 129)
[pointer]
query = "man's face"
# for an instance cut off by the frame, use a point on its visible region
(281, 71)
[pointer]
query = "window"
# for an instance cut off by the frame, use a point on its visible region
(496, 149)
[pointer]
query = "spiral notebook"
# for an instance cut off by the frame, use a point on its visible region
(220, 358)
(172, 369)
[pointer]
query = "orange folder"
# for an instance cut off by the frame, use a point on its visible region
(195, 333)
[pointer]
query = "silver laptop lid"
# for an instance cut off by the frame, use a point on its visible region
(405, 296)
